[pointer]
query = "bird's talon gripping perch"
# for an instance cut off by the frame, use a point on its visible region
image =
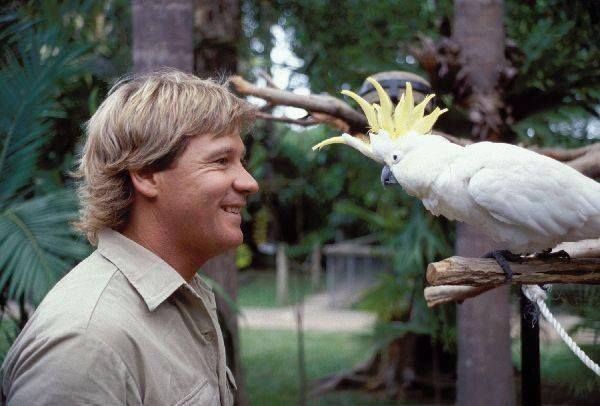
(502, 258)
(562, 254)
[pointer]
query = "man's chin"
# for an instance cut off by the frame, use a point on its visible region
(232, 241)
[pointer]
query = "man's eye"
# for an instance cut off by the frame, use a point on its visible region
(221, 161)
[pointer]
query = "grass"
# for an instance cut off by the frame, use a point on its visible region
(258, 288)
(564, 377)
(270, 357)
(270, 364)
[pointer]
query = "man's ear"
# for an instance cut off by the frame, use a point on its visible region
(144, 182)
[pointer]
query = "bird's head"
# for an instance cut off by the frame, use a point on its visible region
(393, 130)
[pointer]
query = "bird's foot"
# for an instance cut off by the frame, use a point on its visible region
(548, 254)
(502, 258)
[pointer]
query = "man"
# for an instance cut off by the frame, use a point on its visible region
(162, 187)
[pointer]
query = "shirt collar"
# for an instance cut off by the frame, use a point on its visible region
(150, 275)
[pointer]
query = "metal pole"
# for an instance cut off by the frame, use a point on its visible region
(530, 354)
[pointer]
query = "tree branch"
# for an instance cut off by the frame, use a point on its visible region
(335, 112)
(299, 121)
(312, 103)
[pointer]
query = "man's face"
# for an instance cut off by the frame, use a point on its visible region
(200, 197)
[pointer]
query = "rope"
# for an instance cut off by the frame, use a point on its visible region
(538, 296)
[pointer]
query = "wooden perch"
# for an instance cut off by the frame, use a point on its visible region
(486, 272)
(459, 278)
(435, 295)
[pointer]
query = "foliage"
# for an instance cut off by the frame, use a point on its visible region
(343, 41)
(416, 240)
(102, 28)
(582, 301)
(243, 256)
(340, 45)
(565, 379)
(8, 333)
(35, 238)
(299, 187)
(52, 62)
(553, 100)
(556, 94)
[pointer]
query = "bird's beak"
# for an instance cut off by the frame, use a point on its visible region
(387, 177)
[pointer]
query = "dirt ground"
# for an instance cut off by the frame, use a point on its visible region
(317, 315)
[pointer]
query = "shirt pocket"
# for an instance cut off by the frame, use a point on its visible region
(201, 394)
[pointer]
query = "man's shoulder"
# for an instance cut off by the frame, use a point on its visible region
(93, 288)
(75, 297)
(93, 301)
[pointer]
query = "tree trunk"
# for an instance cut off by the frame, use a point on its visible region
(485, 374)
(218, 27)
(162, 34)
(217, 30)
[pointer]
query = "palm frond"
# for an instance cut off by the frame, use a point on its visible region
(37, 245)
(28, 88)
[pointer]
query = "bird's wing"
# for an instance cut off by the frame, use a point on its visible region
(519, 187)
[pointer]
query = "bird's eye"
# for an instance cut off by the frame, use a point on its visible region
(395, 158)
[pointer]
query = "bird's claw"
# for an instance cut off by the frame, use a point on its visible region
(502, 258)
(548, 254)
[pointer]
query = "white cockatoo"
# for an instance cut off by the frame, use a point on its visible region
(524, 201)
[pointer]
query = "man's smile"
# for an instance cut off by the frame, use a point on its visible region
(232, 209)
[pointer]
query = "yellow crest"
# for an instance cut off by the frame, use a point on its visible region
(402, 119)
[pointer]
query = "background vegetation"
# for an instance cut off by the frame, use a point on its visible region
(60, 57)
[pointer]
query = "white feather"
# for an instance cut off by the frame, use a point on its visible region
(524, 201)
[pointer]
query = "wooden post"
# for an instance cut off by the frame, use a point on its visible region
(282, 275)
(315, 266)
(330, 275)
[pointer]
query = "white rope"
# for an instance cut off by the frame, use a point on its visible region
(537, 296)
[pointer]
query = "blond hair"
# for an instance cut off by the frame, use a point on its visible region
(145, 122)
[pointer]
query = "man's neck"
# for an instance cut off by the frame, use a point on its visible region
(156, 241)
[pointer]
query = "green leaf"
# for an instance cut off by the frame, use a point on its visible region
(37, 245)
(29, 80)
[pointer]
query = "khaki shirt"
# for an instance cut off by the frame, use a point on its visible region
(122, 328)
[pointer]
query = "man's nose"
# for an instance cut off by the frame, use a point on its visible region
(246, 183)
